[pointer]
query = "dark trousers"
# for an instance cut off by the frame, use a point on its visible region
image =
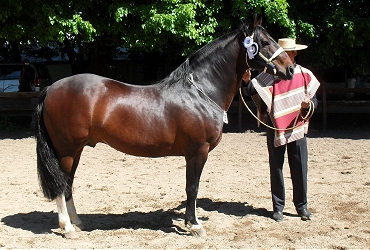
(298, 160)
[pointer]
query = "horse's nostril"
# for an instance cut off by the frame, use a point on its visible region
(290, 71)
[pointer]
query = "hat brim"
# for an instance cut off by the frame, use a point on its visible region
(297, 47)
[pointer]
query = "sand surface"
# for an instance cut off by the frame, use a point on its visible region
(133, 202)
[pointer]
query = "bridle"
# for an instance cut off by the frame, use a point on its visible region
(253, 51)
(269, 61)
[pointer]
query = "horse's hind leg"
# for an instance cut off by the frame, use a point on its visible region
(194, 168)
(76, 222)
(63, 217)
(67, 215)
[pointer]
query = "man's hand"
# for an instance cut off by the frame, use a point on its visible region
(305, 103)
(247, 76)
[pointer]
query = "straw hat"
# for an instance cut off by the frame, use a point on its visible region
(288, 44)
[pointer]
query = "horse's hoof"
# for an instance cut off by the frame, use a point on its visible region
(197, 231)
(78, 227)
(71, 235)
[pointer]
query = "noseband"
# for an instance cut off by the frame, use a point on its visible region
(253, 50)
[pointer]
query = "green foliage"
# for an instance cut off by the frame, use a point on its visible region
(145, 25)
(336, 30)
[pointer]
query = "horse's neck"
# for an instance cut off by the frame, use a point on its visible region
(219, 79)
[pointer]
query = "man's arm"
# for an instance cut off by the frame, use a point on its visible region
(248, 88)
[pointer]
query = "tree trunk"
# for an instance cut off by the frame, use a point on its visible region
(16, 52)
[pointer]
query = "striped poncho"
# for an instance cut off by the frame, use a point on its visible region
(283, 99)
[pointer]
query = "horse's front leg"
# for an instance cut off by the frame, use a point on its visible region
(194, 168)
(64, 219)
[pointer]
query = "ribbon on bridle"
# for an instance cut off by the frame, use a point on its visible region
(251, 46)
(253, 50)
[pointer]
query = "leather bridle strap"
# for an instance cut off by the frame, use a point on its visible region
(269, 61)
(253, 50)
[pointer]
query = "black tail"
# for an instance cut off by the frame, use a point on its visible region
(52, 180)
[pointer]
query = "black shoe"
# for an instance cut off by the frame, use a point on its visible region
(277, 216)
(304, 214)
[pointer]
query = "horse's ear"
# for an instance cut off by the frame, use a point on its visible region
(256, 21)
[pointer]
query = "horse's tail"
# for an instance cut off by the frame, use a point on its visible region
(52, 180)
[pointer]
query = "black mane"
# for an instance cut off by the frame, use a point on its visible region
(182, 72)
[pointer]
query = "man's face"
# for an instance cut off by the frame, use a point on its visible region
(291, 54)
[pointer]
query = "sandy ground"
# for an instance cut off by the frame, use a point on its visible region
(133, 202)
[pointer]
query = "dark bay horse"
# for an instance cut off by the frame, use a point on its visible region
(181, 115)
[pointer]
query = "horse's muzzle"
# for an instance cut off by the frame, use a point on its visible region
(290, 72)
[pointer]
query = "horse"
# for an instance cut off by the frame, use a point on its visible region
(180, 115)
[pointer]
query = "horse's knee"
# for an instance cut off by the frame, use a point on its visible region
(191, 190)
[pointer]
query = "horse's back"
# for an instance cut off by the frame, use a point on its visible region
(78, 83)
(87, 109)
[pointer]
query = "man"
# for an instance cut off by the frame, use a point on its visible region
(26, 78)
(288, 102)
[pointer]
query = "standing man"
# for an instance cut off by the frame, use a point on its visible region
(288, 102)
(26, 78)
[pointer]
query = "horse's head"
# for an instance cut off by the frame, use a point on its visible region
(264, 53)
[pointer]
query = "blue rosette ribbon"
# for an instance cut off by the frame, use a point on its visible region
(251, 46)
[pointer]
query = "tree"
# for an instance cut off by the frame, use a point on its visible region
(340, 30)
(39, 21)
(335, 29)
(143, 25)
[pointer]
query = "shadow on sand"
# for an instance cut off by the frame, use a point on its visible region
(44, 222)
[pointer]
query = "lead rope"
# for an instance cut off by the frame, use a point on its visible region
(224, 118)
(304, 118)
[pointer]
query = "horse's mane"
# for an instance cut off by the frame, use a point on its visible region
(178, 75)
(182, 72)
(209, 48)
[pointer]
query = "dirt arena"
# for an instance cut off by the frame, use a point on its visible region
(133, 202)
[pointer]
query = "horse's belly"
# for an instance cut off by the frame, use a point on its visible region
(145, 150)
(142, 143)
